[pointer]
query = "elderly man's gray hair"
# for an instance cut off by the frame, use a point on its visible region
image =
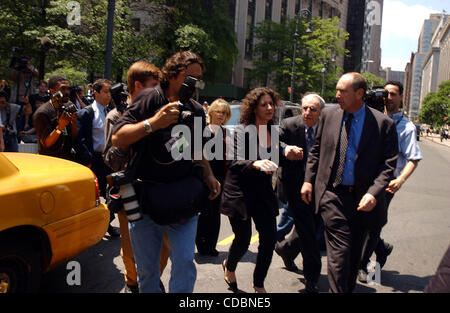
(311, 95)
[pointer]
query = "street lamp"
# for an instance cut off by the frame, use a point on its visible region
(324, 68)
(304, 13)
(361, 64)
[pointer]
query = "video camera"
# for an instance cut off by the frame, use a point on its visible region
(19, 63)
(186, 92)
(68, 107)
(119, 94)
(376, 97)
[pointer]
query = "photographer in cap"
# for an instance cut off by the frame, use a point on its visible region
(146, 128)
(56, 127)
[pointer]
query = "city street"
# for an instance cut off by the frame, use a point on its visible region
(418, 228)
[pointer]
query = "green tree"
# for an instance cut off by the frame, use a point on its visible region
(373, 80)
(435, 106)
(272, 58)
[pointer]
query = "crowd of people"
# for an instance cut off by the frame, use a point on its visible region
(337, 170)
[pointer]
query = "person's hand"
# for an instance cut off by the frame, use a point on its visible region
(293, 153)
(64, 120)
(165, 117)
(395, 185)
(266, 166)
(367, 203)
(213, 186)
(306, 192)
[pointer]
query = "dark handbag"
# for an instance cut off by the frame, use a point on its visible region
(169, 203)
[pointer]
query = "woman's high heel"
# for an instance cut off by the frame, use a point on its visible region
(232, 285)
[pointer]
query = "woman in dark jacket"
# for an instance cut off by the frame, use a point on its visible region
(247, 192)
(209, 220)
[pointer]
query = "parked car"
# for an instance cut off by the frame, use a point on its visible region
(50, 211)
(287, 109)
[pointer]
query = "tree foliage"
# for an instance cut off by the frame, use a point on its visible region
(273, 54)
(435, 106)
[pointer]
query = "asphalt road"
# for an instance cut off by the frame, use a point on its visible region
(419, 229)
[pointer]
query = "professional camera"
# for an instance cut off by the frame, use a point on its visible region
(119, 94)
(376, 98)
(186, 92)
(74, 90)
(127, 195)
(61, 107)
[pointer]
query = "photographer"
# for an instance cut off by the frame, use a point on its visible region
(408, 159)
(8, 115)
(77, 97)
(145, 127)
(56, 126)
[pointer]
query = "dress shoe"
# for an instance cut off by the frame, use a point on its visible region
(311, 287)
(362, 276)
(288, 262)
(382, 257)
(232, 285)
(259, 289)
(113, 231)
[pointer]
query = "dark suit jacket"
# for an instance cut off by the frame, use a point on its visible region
(375, 160)
(84, 143)
(291, 174)
(247, 189)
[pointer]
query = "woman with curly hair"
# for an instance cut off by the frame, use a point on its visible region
(248, 192)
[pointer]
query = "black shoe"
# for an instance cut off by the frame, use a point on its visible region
(131, 289)
(362, 276)
(213, 252)
(113, 231)
(232, 285)
(381, 258)
(311, 287)
(288, 262)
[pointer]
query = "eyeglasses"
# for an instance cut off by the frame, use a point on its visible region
(312, 109)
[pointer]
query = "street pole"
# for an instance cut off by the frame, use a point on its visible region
(109, 38)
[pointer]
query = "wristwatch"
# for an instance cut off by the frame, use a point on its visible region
(147, 127)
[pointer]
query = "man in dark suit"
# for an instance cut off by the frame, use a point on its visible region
(296, 139)
(350, 164)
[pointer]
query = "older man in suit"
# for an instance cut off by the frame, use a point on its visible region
(296, 139)
(350, 164)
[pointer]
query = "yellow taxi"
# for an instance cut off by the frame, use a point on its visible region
(50, 211)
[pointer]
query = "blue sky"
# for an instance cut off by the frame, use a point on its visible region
(402, 22)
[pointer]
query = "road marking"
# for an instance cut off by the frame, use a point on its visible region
(230, 239)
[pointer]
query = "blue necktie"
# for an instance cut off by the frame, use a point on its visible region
(309, 140)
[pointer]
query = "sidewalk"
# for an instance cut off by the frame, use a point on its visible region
(437, 139)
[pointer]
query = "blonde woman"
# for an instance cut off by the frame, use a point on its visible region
(219, 113)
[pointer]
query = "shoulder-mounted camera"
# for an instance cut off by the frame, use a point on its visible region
(376, 98)
(186, 92)
(119, 94)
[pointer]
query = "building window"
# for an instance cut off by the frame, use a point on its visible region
(268, 12)
(250, 24)
(283, 10)
(297, 6)
(232, 11)
(321, 11)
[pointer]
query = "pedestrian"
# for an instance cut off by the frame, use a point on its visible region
(209, 220)
(168, 189)
(91, 139)
(247, 193)
(350, 165)
(296, 139)
(141, 75)
(8, 114)
(408, 159)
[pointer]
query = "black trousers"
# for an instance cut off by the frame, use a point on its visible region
(266, 226)
(374, 242)
(100, 170)
(345, 236)
(304, 239)
(208, 225)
